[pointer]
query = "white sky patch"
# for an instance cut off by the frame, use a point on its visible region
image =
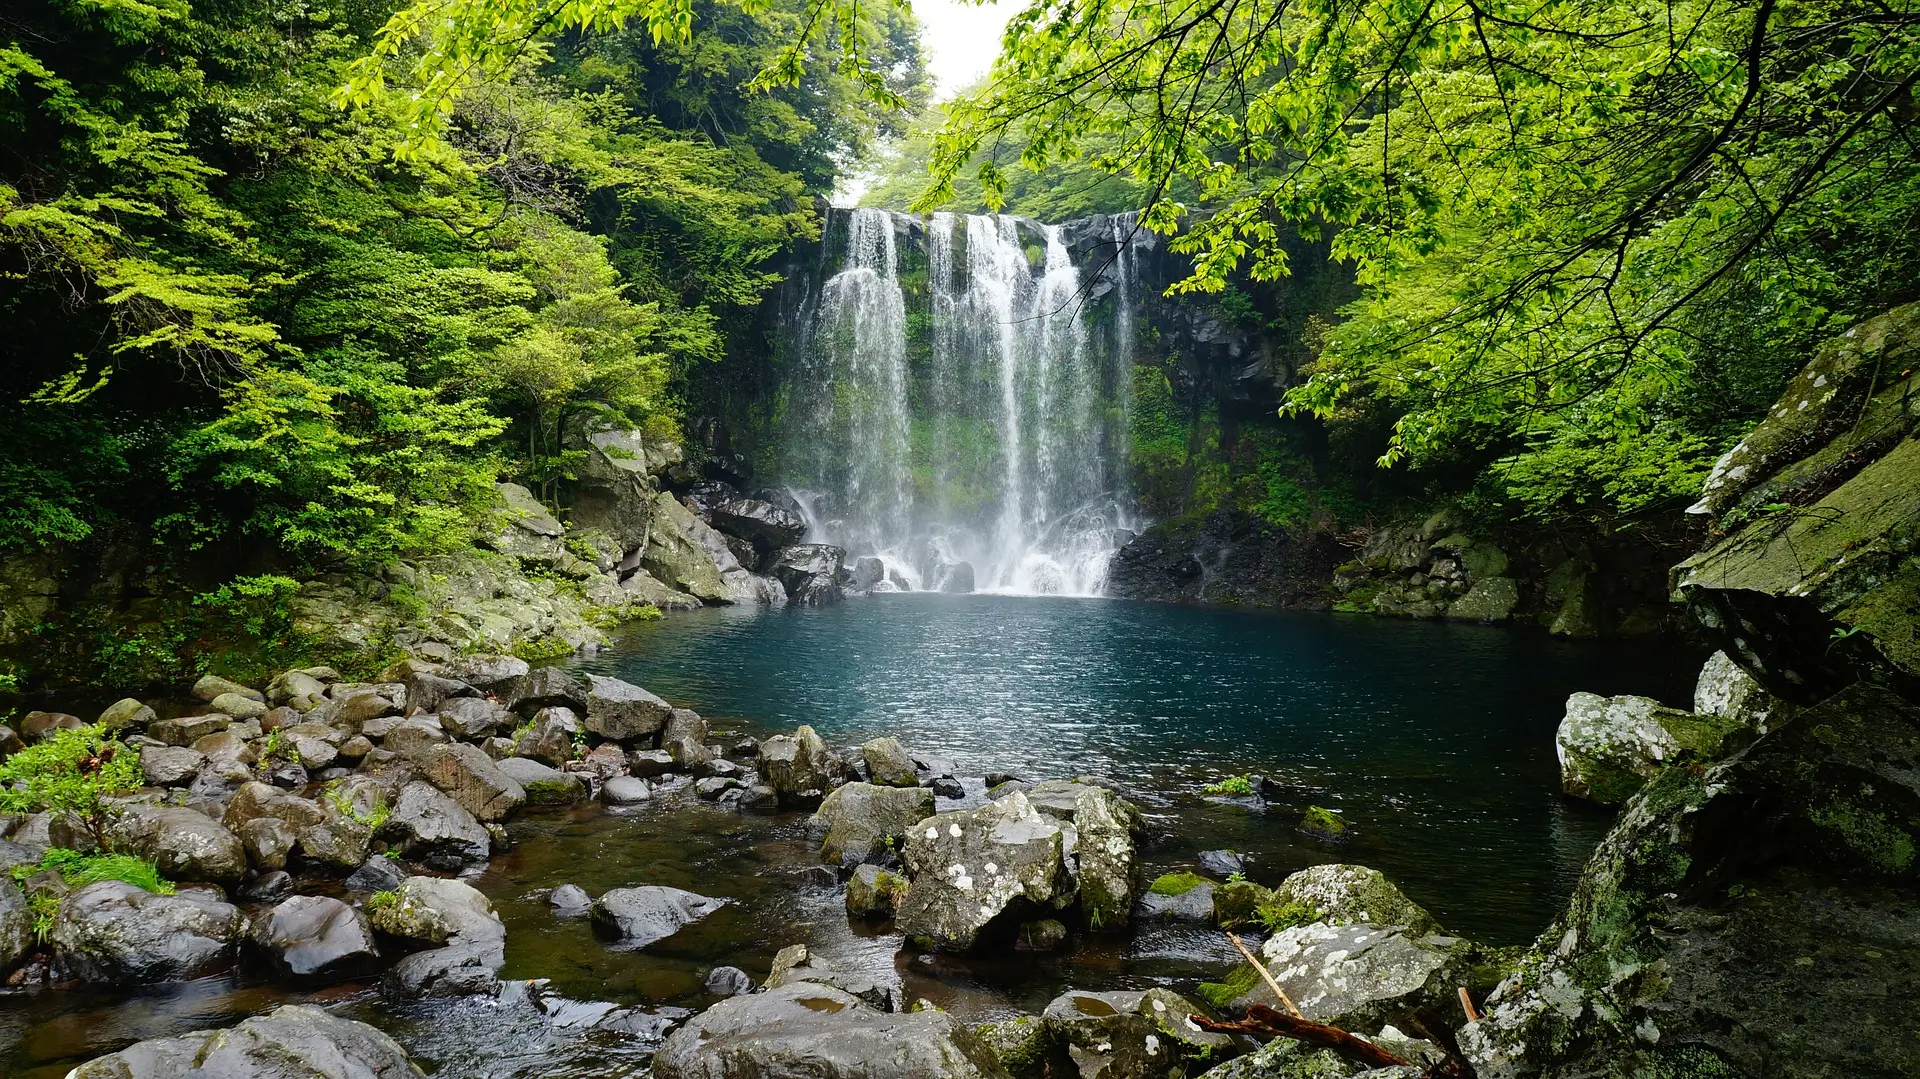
(960, 40)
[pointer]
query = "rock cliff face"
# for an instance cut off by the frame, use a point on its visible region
(1759, 914)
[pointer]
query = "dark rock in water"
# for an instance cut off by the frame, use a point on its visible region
(728, 982)
(994, 779)
(712, 787)
(311, 936)
(455, 916)
(295, 1041)
(800, 767)
(766, 525)
(864, 822)
(114, 932)
(956, 577)
(1226, 557)
(760, 797)
(874, 892)
(428, 825)
(947, 787)
(1220, 863)
(647, 763)
(1194, 904)
(1044, 935)
(269, 888)
(744, 748)
(569, 901)
(637, 917)
(889, 764)
(707, 494)
(1322, 823)
(377, 874)
(952, 911)
(810, 572)
(810, 1029)
(461, 969)
(867, 572)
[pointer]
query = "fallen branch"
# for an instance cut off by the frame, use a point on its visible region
(1262, 1020)
(1466, 1005)
(1261, 969)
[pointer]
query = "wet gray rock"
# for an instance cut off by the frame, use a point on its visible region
(117, 933)
(1132, 1035)
(290, 1042)
(728, 982)
(766, 525)
(1361, 977)
(810, 572)
(427, 693)
(431, 827)
(862, 822)
(16, 924)
(570, 901)
(947, 787)
(546, 687)
(377, 874)
(818, 1031)
(269, 842)
(212, 686)
(1193, 905)
(1610, 746)
(474, 782)
(637, 917)
(436, 910)
(648, 763)
(622, 711)
(955, 577)
(1341, 894)
(471, 717)
(126, 714)
(1104, 853)
(268, 887)
(969, 868)
(488, 673)
(312, 936)
(625, 790)
(544, 785)
(184, 844)
(1220, 864)
(889, 764)
(873, 892)
(185, 730)
(688, 755)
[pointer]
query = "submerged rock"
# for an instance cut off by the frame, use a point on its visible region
(817, 1031)
(469, 939)
(637, 917)
(970, 868)
(296, 1041)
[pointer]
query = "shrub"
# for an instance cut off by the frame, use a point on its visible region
(72, 770)
(1230, 785)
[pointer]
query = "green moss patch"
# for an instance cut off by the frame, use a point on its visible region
(1324, 823)
(1176, 883)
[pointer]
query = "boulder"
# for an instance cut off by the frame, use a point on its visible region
(115, 932)
(638, 917)
(435, 910)
(766, 525)
(377, 874)
(184, 844)
(311, 936)
(889, 764)
(863, 822)
(1351, 895)
(1610, 746)
(1361, 977)
(431, 827)
(488, 673)
(800, 767)
(298, 690)
(124, 715)
(268, 842)
(1490, 600)
(412, 737)
(1132, 1035)
(170, 766)
(817, 1031)
(474, 782)
(545, 687)
(728, 982)
(570, 901)
(956, 578)
(315, 745)
(186, 730)
(543, 785)
(37, 726)
(797, 963)
(622, 711)
(625, 790)
(677, 558)
(211, 686)
(1104, 823)
(873, 892)
(16, 924)
(549, 736)
(1221, 864)
(239, 706)
(810, 572)
(984, 869)
(1176, 897)
(295, 1041)
(471, 717)
(427, 692)
(1725, 689)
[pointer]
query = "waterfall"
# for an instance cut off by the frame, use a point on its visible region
(955, 410)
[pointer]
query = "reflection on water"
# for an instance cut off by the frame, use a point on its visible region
(1434, 741)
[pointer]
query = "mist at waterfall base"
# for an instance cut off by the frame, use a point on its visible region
(958, 407)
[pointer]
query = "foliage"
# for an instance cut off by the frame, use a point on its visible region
(335, 797)
(382, 900)
(70, 770)
(80, 870)
(1593, 238)
(1230, 785)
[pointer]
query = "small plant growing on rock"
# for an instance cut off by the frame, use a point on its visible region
(73, 770)
(1234, 785)
(383, 900)
(80, 870)
(335, 798)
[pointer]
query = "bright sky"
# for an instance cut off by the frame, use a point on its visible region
(960, 40)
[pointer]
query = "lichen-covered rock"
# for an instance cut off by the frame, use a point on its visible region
(862, 822)
(637, 917)
(1350, 895)
(1490, 600)
(295, 1041)
(814, 1030)
(873, 892)
(184, 844)
(1132, 1035)
(1361, 977)
(16, 924)
(1725, 689)
(1774, 884)
(889, 764)
(1816, 582)
(800, 767)
(435, 910)
(675, 557)
(978, 870)
(115, 932)
(1610, 746)
(1104, 856)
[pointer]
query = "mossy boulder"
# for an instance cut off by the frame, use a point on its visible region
(1238, 902)
(1610, 746)
(1322, 823)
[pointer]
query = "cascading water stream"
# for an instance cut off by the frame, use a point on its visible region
(982, 446)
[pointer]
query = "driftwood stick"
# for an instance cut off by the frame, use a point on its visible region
(1261, 969)
(1466, 1005)
(1264, 1020)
